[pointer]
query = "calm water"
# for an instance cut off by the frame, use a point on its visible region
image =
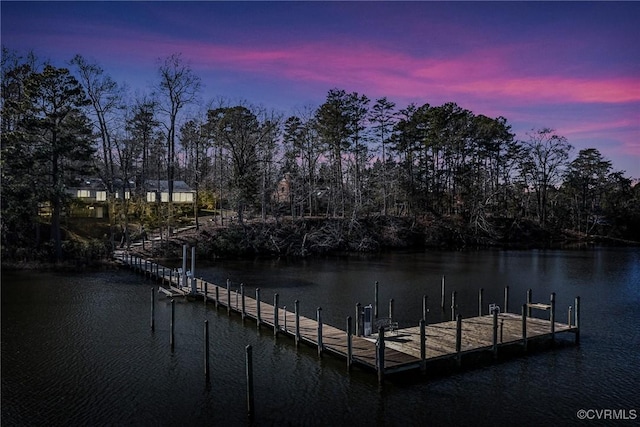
(78, 350)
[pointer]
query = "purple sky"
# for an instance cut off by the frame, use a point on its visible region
(573, 67)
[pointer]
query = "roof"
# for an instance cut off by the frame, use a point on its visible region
(163, 185)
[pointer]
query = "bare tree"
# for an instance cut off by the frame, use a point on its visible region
(178, 86)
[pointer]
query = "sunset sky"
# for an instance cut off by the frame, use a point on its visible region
(573, 67)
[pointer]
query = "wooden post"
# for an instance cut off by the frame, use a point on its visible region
(193, 261)
(391, 309)
(552, 317)
(453, 305)
(206, 350)
(524, 327)
(205, 285)
(296, 306)
(319, 319)
(258, 314)
(423, 345)
(501, 329)
(243, 312)
(275, 314)
(529, 301)
(172, 325)
(442, 293)
(153, 309)
(184, 266)
(506, 299)
(375, 305)
(349, 342)
(284, 309)
(458, 340)
(480, 302)
(380, 354)
(577, 322)
(249, 372)
(495, 334)
(217, 295)
(358, 320)
(570, 319)
(425, 308)
(228, 296)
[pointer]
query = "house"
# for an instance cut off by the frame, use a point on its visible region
(158, 190)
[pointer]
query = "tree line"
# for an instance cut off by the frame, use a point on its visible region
(350, 157)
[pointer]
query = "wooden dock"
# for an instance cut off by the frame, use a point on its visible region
(412, 348)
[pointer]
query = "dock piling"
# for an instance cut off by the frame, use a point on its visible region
(358, 319)
(453, 305)
(442, 293)
(524, 327)
(319, 319)
(380, 354)
(172, 340)
(206, 350)
(423, 346)
(296, 306)
(349, 343)
(375, 299)
(458, 340)
(425, 308)
(275, 314)
(577, 319)
(495, 334)
(228, 296)
(153, 309)
(391, 309)
(249, 374)
(529, 301)
(506, 299)
(217, 295)
(552, 317)
(243, 312)
(258, 314)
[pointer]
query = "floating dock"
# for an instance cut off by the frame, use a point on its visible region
(389, 349)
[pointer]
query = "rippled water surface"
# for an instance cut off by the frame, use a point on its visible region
(77, 349)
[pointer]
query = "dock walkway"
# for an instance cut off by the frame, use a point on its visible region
(405, 349)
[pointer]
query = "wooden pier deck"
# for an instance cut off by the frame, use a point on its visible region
(403, 348)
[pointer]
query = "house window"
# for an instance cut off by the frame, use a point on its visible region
(151, 196)
(101, 196)
(164, 197)
(83, 193)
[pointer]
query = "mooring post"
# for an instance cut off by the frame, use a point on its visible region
(228, 296)
(501, 330)
(529, 301)
(380, 358)
(506, 299)
(349, 342)
(570, 319)
(284, 309)
(194, 287)
(577, 322)
(423, 346)
(206, 350)
(458, 340)
(495, 334)
(442, 293)
(358, 320)
(217, 295)
(552, 317)
(390, 309)
(275, 313)
(153, 309)
(453, 305)
(524, 327)
(319, 319)
(375, 299)
(425, 308)
(172, 325)
(243, 312)
(249, 372)
(258, 314)
(184, 266)
(296, 306)
(480, 303)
